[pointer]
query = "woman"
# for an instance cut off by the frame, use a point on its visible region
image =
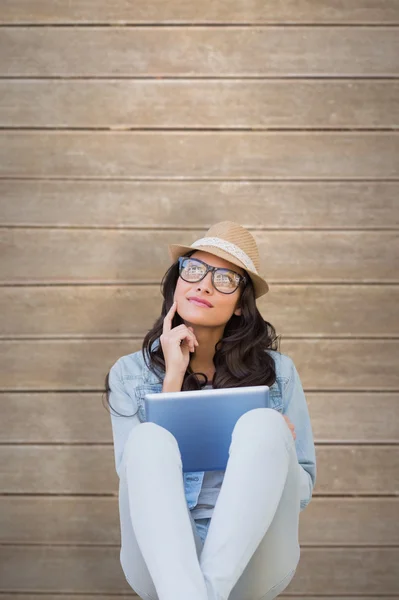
(222, 534)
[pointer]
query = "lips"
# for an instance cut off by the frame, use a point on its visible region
(200, 302)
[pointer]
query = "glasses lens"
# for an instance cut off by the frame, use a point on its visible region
(192, 270)
(225, 280)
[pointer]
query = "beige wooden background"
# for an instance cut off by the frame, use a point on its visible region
(128, 125)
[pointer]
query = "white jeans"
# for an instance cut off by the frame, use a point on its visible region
(251, 550)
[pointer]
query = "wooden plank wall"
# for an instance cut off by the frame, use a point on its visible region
(128, 125)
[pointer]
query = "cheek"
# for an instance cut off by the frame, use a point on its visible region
(227, 305)
(181, 289)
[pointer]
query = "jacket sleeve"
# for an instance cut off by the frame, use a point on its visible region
(297, 411)
(121, 402)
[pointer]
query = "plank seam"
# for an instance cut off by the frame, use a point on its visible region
(243, 76)
(177, 229)
(117, 128)
(203, 25)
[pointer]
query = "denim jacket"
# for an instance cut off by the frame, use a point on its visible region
(130, 380)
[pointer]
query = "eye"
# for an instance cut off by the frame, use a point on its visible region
(193, 269)
(227, 277)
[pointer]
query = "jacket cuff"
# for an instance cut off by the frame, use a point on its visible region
(306, 488)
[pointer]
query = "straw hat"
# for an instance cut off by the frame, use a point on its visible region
(232, 242)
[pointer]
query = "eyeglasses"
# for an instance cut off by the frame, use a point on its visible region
(225, 281)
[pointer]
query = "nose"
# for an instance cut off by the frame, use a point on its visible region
(206, 283)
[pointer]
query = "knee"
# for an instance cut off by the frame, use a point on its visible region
(261, 423)
(147, 438)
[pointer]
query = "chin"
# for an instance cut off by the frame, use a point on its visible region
(198, 319)
(193, 317)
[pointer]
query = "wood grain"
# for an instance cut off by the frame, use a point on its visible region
(69, 417)
(356, 571)
(199, 155)
(54, 256)
(79, 365)
(94, 520)
(78, 469)
(175, 204)
(97, 311)
(195, 104)
(89, 200)
(177, 11)
(199, 51)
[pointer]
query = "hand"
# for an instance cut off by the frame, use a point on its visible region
(176, 343)
(291, 426)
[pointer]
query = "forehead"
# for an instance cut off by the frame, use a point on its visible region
(216, 261)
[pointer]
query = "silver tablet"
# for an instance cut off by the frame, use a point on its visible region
(202, 421)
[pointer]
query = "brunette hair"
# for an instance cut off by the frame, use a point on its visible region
(240, 357)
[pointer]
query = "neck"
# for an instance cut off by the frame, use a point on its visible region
(202, 358)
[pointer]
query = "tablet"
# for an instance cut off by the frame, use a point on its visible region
(202, 421)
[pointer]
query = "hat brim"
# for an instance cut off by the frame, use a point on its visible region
(261, 286)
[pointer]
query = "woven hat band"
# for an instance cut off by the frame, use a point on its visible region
(228, 247)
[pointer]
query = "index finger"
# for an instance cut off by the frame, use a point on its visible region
(167, 322)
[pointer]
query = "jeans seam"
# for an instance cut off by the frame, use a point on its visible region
(291, 444)
(143, 595)
(279, 582)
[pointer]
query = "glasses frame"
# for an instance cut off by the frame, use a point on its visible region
(243, 278)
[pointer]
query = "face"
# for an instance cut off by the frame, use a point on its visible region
(223, 305)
